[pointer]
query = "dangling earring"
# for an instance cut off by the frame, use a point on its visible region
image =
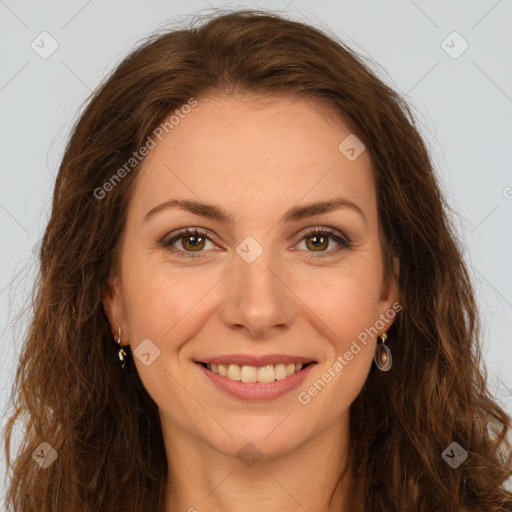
(382, 356)
(122, 353)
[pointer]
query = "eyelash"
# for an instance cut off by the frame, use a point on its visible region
(167, 242)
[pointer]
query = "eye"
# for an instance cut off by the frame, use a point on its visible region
(191, 240)
(318, 240)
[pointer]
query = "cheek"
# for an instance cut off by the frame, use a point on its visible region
(161, 299)
(349, 308)
(347, 301)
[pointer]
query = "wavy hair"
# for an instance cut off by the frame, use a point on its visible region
(70, 390)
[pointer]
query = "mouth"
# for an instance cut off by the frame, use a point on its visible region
(259, 382)
(249, 374)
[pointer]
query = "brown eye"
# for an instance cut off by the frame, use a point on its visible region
(193, 242)
(319, 240)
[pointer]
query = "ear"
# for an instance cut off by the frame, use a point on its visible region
(113, 305)
(390, 295)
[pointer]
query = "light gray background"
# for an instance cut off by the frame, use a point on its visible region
(464, 106)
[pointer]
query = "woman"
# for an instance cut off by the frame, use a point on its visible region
(250, 295)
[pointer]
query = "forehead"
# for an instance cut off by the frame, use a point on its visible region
(254, 155)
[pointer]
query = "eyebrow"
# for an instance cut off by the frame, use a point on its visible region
(295, 214)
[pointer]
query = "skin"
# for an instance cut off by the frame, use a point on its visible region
(256, 161)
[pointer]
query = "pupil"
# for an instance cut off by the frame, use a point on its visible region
(317, 241)
(193, 240)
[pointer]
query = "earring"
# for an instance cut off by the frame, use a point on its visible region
(382, 356)
(122, 353)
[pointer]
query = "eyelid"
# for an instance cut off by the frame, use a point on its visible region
(170, 238)
(189, 230)
(312, 229)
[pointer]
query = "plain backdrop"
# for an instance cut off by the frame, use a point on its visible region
(451, 60)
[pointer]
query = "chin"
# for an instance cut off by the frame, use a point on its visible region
(259, 436)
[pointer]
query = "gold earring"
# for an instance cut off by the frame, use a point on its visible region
(382, 356)
(122, 353)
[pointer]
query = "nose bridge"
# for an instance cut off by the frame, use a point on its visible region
(253, 267)
(256, 296)
(253, 270)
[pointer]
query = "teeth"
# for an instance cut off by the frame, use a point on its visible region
(248, 374)
(233, 372)
(280, 371)
(268, 373)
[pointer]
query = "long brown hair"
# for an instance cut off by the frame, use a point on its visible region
(70, 390)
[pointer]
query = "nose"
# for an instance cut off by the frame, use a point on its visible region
(257, 301)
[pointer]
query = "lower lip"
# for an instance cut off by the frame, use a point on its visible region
(257, 390)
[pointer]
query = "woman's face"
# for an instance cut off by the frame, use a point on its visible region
(256, 286)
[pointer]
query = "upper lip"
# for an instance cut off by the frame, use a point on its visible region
(258, 361)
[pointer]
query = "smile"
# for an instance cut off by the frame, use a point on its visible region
(245, 373)
(254, 378)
